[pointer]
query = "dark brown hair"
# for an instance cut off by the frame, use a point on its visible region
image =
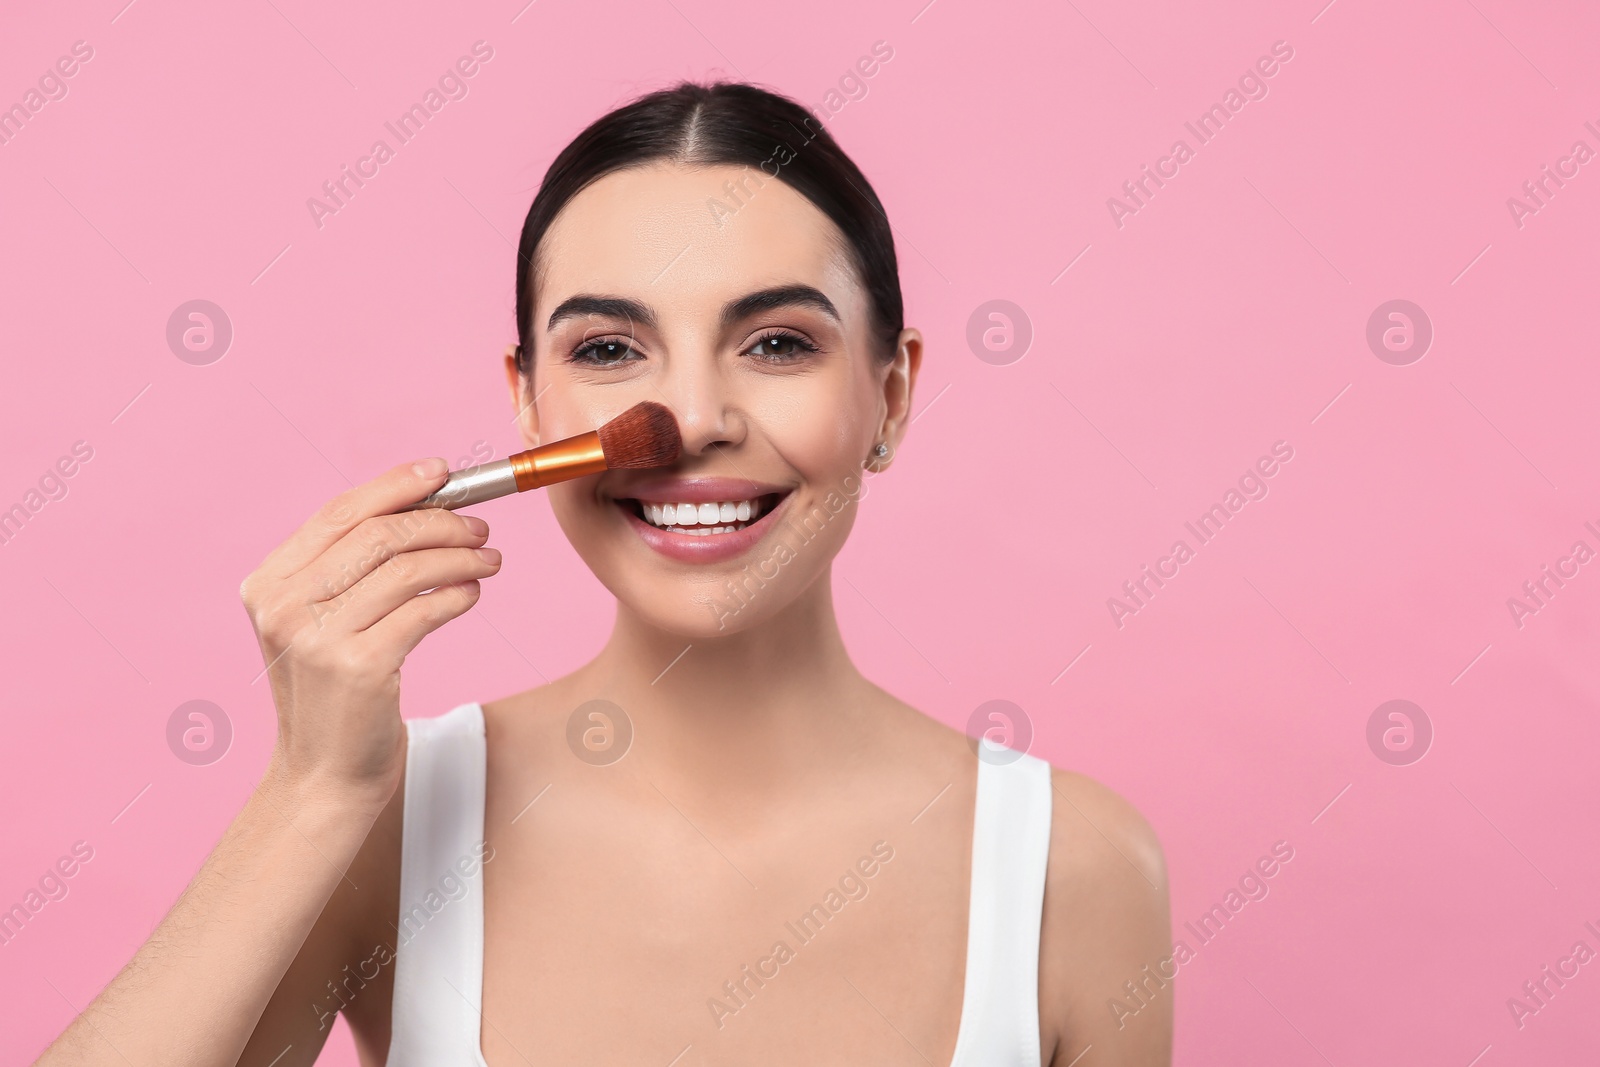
(723, 123)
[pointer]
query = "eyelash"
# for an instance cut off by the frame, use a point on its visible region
(805, 347)
(585, 353)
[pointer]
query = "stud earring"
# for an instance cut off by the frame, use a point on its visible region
(881, 450)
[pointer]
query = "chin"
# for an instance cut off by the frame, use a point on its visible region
(707, 560)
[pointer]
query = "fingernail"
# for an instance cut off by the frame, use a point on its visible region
(430, 468)
(476, 526)
(490, 556)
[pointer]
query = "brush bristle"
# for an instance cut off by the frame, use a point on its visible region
(646, 435)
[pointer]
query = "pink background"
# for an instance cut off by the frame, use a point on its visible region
(1229, 313)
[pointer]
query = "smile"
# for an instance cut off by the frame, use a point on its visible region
(704, 519)
(701, 520)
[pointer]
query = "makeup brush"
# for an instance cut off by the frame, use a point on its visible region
(646, 435)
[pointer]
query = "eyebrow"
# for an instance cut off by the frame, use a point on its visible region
(777, 297)
(618, 307)
(611, 307)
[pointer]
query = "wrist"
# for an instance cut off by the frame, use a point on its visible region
(294, 790)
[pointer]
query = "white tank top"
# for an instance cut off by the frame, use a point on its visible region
(438, 979)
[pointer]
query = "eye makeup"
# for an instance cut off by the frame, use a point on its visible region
(775, 345)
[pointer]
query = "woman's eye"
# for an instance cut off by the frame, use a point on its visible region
(781, 348)
(604, 353)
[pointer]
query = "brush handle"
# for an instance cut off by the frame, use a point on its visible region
(471, 485)
(558, 461)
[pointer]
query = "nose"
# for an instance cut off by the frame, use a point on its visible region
(700, 396)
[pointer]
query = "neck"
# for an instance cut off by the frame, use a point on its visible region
(776, 695)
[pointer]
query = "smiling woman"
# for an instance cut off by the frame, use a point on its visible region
(753, 758)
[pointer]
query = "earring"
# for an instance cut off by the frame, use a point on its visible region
(881, 450)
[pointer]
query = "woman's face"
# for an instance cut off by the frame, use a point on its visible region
(728, 297)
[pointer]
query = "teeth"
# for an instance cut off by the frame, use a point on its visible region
(705, 519)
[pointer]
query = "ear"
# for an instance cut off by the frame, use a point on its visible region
(899, 380)
(527, 417)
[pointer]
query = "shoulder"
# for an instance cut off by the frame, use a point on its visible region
(543, 706)
(527, 724)
(1098, 835)
(1106, 922)
(529, 740)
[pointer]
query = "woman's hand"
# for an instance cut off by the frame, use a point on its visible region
(336, 609)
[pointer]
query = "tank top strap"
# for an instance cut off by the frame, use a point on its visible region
(438, 977)
(1010, 850)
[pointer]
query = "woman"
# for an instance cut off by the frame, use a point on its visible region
(717, 842)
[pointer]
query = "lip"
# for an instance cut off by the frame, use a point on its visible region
(699, 548)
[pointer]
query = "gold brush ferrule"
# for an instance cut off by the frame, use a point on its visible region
(558, 461)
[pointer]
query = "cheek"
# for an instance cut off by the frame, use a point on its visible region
(820, 449)
(822, 433)
(590, 529)
(566, 412)
(572, 502)
(567, 409)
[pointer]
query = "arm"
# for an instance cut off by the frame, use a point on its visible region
(1105, 968)
(336, 608)
(346, 965)
(193, 992)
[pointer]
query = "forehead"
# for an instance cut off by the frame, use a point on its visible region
(680, 237)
